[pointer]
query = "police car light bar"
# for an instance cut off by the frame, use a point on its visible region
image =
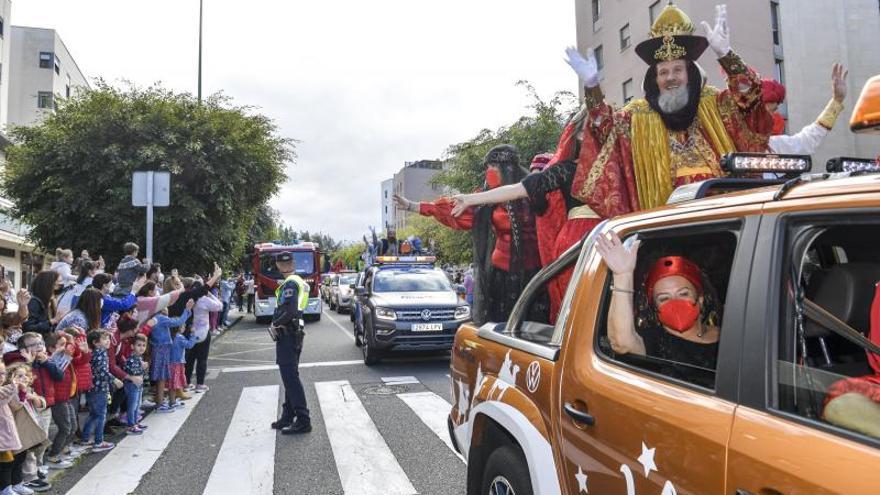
(406, 259)
(846, 164)
(751, 163)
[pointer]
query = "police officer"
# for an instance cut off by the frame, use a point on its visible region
(292, 297)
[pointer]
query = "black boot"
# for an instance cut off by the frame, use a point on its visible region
(281, 423)
(297, 427)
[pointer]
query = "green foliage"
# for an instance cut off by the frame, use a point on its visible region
(70, 177)
(350, 255)
(531, 134)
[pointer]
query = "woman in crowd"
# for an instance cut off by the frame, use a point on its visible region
(87, 272)
(87, 313)
(197, 357)
(43, 306)
(505, 242)
(680, 313)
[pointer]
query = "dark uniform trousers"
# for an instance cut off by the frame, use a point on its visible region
(287, 351)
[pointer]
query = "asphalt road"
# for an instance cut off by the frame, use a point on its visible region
(370, 435)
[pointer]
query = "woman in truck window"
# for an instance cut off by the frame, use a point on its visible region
(674, 292)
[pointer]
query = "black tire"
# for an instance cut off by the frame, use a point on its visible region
(332, 306)
(506, 466)
(263, 319)
(351, 314)
(372, 355)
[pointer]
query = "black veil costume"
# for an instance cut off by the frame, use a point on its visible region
(496, 291)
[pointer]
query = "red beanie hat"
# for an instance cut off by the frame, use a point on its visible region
(668, 266)
(772, 91)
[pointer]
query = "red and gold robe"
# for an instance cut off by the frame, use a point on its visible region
(629, 161)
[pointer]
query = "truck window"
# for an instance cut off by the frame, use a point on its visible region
(670, 324)
(304, 262)
(410, 280)
(822, 376)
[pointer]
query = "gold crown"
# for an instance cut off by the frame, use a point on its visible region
(669, 51)
(672, 21)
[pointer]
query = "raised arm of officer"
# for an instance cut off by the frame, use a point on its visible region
(287, 309)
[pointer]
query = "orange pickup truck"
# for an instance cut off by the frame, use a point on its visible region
(548, 409)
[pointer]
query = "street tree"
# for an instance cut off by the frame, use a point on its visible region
(70, 177)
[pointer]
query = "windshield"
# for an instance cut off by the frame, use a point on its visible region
(408, 280)
(348, 279)
(304, 262)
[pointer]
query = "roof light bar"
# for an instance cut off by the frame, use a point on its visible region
(406, 259)
(753, 163)
(847, 164)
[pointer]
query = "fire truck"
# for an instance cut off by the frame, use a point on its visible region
(307, 260)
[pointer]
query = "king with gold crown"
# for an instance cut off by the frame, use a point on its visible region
(633, 158)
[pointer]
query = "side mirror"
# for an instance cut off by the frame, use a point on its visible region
(351, 286)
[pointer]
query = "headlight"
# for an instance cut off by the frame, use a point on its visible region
(462, 312)
(386, 314)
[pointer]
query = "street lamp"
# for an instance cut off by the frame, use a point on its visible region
(200, 51)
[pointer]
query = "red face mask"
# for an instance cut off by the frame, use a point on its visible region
(493, 178)
(678, 314)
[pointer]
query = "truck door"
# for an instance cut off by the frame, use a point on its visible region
(809, 422)
(639, 424)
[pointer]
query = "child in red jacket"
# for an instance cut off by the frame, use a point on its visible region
(63, 411)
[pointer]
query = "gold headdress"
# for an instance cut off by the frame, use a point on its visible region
(672, 38)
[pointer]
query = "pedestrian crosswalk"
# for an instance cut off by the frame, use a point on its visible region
(245, 462)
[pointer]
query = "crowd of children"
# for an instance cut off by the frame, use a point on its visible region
(82, 339)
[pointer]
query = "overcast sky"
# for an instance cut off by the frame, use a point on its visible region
(364, 86)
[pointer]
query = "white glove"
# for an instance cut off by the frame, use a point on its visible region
(719, 36)
(586, 68)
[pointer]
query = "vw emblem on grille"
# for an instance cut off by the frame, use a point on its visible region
(426, 314)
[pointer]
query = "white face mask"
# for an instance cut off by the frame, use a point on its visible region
(161, 277)
(112, 288)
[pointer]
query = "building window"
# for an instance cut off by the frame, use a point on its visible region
(774, 23)
(779, 68)
(600, 59)
(46, 59)
(45, 99)
(624, 36)
(654, 11)
(2, 25)
(627, 90)
(57, 65)
(597, 15)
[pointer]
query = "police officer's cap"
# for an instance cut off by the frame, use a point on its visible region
(283, 256)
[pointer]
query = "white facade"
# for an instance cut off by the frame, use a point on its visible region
(5, 57)
(795, 41)
(387, 202)
(42, 72)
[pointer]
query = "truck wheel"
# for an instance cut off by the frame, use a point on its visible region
(264, 319)
(368, 346)
(506, 473)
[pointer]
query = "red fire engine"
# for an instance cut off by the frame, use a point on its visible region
(307, 260)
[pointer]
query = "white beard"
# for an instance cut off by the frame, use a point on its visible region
(673, 100)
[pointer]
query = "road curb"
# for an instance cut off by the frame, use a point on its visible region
(229, 327)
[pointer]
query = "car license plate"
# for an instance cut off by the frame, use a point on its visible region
(427, 327)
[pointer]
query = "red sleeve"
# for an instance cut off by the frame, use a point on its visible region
(115, 370)
(80, 357)
(441, 210)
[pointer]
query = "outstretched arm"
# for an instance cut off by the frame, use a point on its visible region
(463, 202)
(441, 210)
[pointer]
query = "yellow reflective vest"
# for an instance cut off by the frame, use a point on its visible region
(303, 292)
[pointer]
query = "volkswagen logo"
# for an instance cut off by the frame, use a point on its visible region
(426, 314)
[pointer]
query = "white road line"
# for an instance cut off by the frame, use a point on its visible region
(364, 462)
(319, 364)
(399, 380)
(246, 462)
(348, 333)
(433, 411)
(121, 470)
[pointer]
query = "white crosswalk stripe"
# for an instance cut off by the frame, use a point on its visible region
(433, 411)
(246, 462)
(121, 470)
(365, 464)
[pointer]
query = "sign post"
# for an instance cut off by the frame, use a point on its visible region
(150, 189)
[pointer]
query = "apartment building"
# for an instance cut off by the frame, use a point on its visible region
(42, 73)
(793, 41)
